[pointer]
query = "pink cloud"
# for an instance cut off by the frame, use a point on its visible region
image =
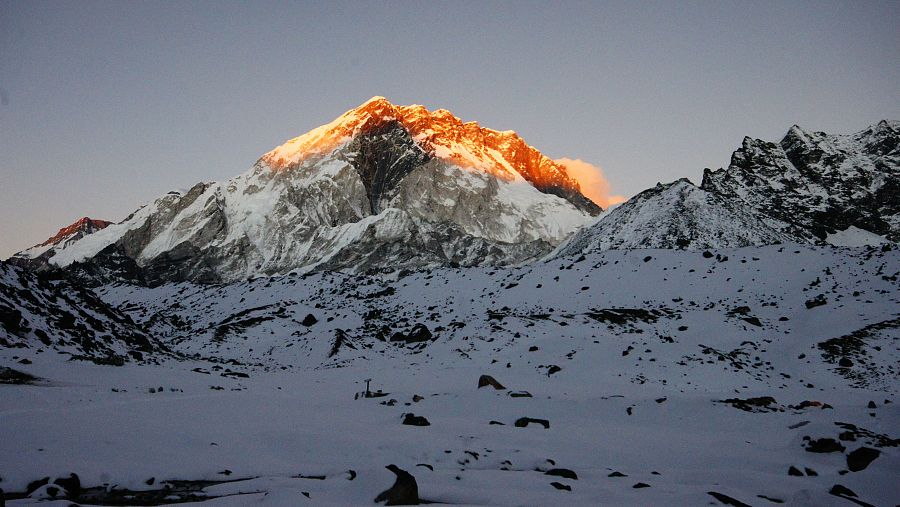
(594, 184)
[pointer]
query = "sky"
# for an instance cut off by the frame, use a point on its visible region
(105, 106)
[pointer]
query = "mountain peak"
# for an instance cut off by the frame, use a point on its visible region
(84, 225)
(441, 135)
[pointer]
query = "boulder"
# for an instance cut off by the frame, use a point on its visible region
(487, 380)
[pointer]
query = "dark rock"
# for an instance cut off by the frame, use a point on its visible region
(838, 490)
(760, 404)
(309, 320)
(861, 458)
(553, 369)
(641, 485)
(523, 422)
(810, 472)
(519, 394)
(817, 301)
(707, 254)
(794, 471)
(72, 485)
(419, 333)
(617, 474)
(533, 348)
(405, 490)
(661, 400)
(726, 500)
(563, 487)
(824, 445)
(562, 472)
(872, 405)
(487, 380)
(34, 485)
(415, 420)
(752, 321)
(845, 362)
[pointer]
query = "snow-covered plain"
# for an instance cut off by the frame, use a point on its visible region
(627, 354)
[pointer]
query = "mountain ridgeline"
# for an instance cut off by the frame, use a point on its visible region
(811, 187)
(381, 187)
(387, 187)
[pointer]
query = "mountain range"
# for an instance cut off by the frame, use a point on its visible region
(402, 296)
(386, 187)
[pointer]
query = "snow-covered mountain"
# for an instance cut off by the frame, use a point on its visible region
(677, 215)
(811, 187)
(820, 182)
(382, 186)
(36, 256)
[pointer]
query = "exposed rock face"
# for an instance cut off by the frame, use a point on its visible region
(820, 183)
(381, 187)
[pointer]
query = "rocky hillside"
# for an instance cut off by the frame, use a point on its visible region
(821, 183)
(382, 186)
(41, 314)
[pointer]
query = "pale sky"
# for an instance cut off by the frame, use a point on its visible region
(106, 105)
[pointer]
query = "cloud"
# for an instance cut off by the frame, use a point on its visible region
(594, 184)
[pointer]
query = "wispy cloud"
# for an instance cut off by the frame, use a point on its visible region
(593, 182)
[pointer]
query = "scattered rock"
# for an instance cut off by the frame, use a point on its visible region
(415, 420)
(824, 445)
(562, 472)
(563, 487)
(726, 500)
(838, 490)
(817, 301)
(309, 320)
(859, 459)
(405, 490)
(520, 394)
(523, 422)
(419, 333)
(760, 404)
(487, 380)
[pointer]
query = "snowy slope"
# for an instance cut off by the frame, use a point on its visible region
(383, 186)
(627, 354)
(677, 215)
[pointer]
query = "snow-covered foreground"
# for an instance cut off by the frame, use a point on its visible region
(627, 355)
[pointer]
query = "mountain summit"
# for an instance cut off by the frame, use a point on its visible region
(380, 187)
(442, 136)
